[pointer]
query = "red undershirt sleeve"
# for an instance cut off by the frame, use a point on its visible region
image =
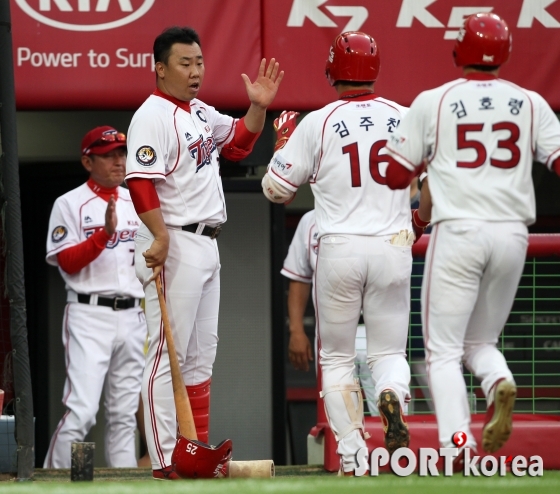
(556, 166)
(397, 176)
(143, 194)
(77, 257)
(242, 143)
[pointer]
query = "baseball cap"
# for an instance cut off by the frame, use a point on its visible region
(102, 140)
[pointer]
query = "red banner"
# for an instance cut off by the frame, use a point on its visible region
(415, 39)
(97, 54)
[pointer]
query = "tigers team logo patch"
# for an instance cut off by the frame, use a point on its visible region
(146, 156)
(59, 233)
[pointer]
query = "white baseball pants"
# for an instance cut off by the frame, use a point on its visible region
(191, 284)
(357, 273)
(363, 372)
(470, 279)
(104, 351)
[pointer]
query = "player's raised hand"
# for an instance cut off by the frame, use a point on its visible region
(284, 126)
(263, 91)
(111, 216)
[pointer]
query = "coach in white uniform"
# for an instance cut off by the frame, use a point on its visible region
(479, 135)
(362, 261)
(91, 235)
(174, 178)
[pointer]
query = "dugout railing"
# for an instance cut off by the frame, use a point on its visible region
(530, 342)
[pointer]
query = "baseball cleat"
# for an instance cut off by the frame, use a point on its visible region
(459, 461)
(342, 473)
(498, 426)
(394, 426)
(166, 473)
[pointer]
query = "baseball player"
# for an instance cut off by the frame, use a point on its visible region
(174, 179)
(299, 268)
(365, 234)
(479, 135)
(91, 234)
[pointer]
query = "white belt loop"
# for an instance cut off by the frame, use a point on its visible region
(200, 228)
(93, 299)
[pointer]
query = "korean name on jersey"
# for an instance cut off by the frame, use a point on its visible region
(339, 149)
(480, 137)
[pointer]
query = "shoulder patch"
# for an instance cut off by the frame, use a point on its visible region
(146, 155)
(59, 234)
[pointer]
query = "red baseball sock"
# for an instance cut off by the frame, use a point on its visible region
(199, 396)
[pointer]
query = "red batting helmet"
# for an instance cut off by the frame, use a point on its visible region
(484, 39)
(198, 460)
(354, 56)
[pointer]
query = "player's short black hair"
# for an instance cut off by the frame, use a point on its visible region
(484, 68)
(355, 83)
(170, 36)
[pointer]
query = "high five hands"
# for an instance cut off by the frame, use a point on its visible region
(263, 91)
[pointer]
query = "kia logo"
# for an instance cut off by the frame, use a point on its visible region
(82, 8)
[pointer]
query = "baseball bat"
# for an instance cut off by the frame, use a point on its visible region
(183, 408)
(187, 428)
(262, 469)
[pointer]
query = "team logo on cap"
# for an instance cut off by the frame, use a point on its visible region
(59, 233)
(146, 156)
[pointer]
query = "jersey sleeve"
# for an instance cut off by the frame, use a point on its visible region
(293, 165)
(242, 143)
(148, 146)
(408, 144)
(296, 265)
(63, 229)
(77, 257)
(547, 132)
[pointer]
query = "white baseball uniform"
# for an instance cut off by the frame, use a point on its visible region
(480, 135)
(299, 265)
(178, 148)
(338, 150)
(103, 347)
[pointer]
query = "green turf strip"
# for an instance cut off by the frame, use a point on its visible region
(549, 483)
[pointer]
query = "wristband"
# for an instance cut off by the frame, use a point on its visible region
(418, 221)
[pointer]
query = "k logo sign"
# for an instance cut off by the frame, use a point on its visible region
(85, 15)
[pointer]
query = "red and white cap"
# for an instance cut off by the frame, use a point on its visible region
(102, 140)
